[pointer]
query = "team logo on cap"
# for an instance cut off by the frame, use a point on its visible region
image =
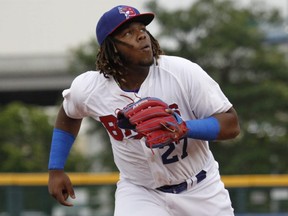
(127, 11)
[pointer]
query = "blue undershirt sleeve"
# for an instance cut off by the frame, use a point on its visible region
(203, 129)
(62, 142)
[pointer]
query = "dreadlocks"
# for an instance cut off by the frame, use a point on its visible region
(108, 61)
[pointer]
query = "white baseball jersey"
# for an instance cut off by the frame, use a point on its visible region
(183, 85)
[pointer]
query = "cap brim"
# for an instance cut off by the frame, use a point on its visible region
(145, 18)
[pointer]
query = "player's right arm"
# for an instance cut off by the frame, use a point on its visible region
(65, 131)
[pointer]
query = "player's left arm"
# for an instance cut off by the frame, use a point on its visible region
(160, 125)
(229, 124)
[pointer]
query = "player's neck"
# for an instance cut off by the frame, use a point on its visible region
(132, 80)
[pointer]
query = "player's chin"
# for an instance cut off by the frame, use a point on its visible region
(147, 61)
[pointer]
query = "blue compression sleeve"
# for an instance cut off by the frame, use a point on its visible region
(204, 129)
(62, 142)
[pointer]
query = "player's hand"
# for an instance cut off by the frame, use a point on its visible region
(60, 187)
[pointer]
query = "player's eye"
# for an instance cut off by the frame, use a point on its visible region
(127, 33)
(130, 31)
(143, 29)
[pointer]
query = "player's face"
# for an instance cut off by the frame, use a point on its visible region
(134, 45)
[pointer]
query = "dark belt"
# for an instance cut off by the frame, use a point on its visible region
(178, 188)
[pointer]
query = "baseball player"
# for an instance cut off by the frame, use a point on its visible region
(159, 111)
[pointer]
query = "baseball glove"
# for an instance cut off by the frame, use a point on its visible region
(152, 118)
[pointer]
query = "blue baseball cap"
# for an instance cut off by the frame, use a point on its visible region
(116, 17)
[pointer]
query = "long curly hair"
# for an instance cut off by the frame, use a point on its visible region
(108, 61)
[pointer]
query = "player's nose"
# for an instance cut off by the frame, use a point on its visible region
(141, 36)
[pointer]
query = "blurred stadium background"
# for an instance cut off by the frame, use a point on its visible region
(37, 55)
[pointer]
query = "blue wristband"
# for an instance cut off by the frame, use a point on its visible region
(203, 129)
(62, 142)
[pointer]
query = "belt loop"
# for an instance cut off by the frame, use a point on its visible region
(189, 183)
(186, 185)
(196, 179)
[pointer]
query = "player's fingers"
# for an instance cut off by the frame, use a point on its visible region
(65, 194)
(62, 198)
(170, 111)
(70, 191)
